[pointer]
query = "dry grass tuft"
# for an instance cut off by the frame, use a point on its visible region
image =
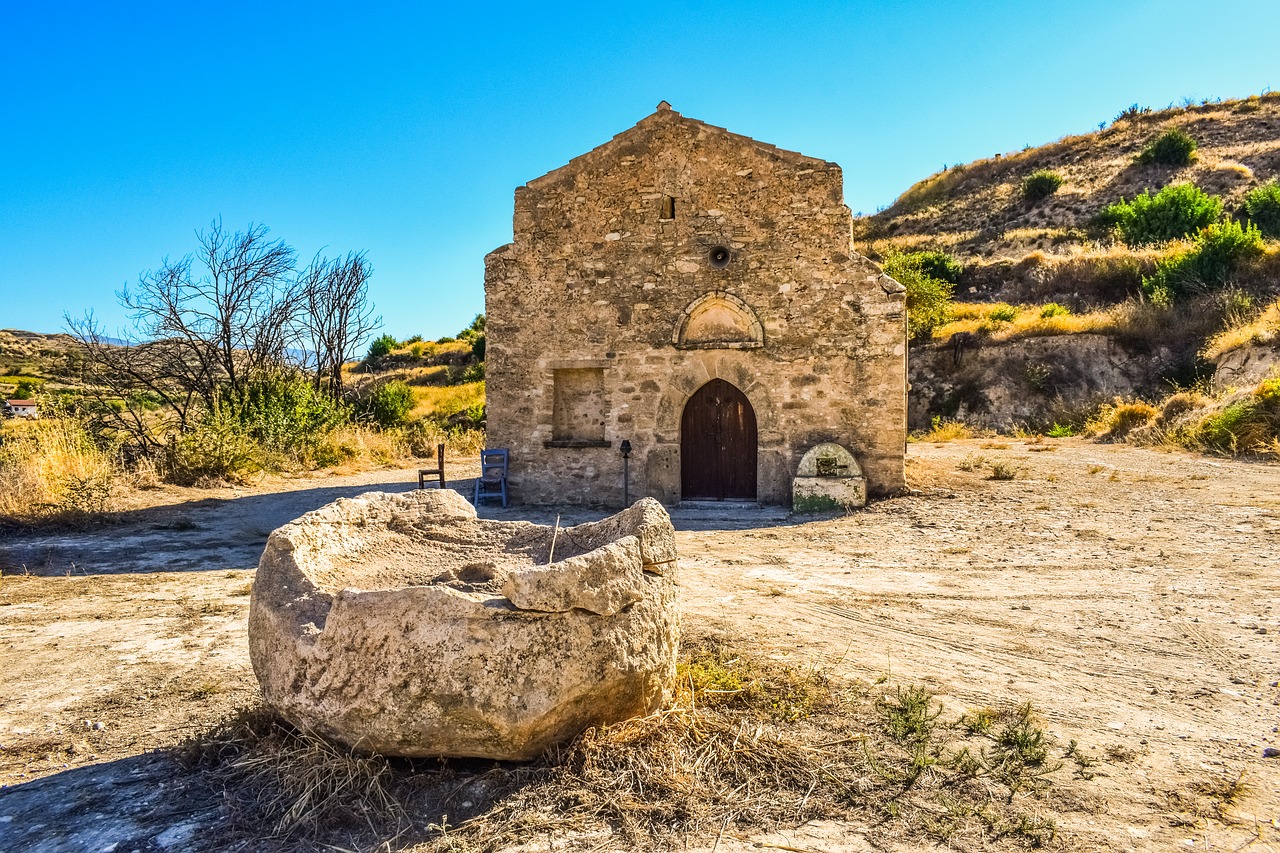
(1262, 329)
(946, 430)
(744, 745)
(1117, 419)
(50, 470)
(283, 784)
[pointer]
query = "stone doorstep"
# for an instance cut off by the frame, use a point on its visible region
(729, 509)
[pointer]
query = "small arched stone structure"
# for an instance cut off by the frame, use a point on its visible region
(718, 320)
(828, 478)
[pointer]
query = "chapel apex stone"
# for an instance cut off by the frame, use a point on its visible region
(696, 293)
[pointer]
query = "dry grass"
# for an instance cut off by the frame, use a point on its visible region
(1236, 423)
(745, 745)
(976, 210)
(51, 470)
(443, 402)
(990, 320)
(1117, 419)
(1134, 321)
(946, 430)
(1263, 329)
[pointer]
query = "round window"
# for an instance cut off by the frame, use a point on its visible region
(719, 257)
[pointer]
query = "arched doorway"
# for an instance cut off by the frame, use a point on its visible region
(718, 445)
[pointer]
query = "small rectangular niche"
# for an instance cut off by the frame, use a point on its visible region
(667, 207)
(578, 408)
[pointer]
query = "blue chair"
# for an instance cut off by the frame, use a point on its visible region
(492, 481)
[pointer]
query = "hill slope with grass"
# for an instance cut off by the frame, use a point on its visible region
(37, 362)
(1123, 282)
(988, 209)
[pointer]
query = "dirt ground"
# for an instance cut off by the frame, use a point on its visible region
(1132, 596)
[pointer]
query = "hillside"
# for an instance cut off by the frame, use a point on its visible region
(1168, 332)
(977, 212)
(50, 360)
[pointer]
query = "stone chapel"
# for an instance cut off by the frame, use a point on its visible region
(696, 294)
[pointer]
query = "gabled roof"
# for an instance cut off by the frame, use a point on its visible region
(21, 402)
(664, 114)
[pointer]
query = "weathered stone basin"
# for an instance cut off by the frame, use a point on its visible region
(404, 625)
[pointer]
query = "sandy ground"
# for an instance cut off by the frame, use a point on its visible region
(1132, 596)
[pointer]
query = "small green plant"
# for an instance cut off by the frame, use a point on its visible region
(27, 388)
(1003, 313)
(1208, 265)
(1053, 309)
(389, 404)
(910, 714)
(1263, 206)
(1175, 212)
(940, 265)
(382, 347)
(1174, 147)
(1040, 184)
(1038, 375)
(979, 721)
(1061, 431)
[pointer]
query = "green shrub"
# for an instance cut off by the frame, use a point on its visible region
(939, 265)
(27, 389)
(1263, 206)
(928, 296)
(1249, 425)
(1171, 148)
(1208, 265)
(1053, 309)
(216, 448)
(1003, 313)
(1061, 431)
(1040, 184)
(389, 405)
(382, 347)
(285, 415)
(1173, 213)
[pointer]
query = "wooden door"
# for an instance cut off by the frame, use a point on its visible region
(718, 445)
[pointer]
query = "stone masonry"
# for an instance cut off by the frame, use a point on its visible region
(676, 254)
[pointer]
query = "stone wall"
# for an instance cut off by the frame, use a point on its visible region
(675, 254)
(1031, 382)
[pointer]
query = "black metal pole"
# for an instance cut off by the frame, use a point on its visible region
(625, 450)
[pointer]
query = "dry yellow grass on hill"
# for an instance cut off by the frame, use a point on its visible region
(977, 209)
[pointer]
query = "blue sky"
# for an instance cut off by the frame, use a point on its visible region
(403, 129)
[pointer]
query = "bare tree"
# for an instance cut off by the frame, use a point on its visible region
(336, 314)
(206, 326)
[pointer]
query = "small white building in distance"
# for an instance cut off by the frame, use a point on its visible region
(23, 408)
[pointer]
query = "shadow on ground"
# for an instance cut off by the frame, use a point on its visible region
(144, 802)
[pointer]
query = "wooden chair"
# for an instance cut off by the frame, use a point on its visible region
(438, 471)
(492, 481)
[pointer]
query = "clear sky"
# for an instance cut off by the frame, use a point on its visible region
(403, 129)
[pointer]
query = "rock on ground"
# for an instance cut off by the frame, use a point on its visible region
(405, 625)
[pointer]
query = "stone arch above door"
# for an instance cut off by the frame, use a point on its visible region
(718, 320)
(699, 368)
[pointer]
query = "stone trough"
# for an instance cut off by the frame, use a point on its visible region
(404, 625)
